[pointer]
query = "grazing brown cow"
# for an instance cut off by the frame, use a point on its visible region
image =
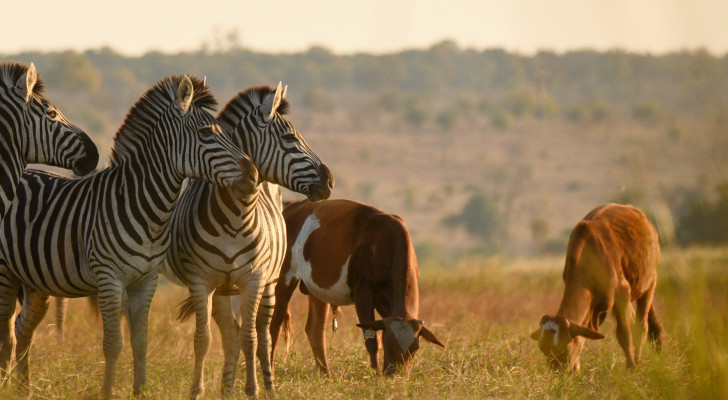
(344, 252)
(611, 261)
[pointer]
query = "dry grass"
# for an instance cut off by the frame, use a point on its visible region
(483, 310)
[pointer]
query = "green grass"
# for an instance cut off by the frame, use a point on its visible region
(482, 309)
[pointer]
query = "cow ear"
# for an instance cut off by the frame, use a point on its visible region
(578, 330)
(185, 93)
(429, 336)
(271, 103)
(536, 334)
(377, 325)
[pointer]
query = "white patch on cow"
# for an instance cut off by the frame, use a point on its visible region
(551, 326)
(370, 334)
(339, 293)
(404, 334)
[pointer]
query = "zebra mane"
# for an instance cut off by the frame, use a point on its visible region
(11, 72)
(246, 100)
(139, 122)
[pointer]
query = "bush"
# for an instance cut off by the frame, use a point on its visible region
(501, 120)
(647, 113)
(701, 221)
(481, 218)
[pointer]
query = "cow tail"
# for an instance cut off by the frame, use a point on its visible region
(655, 330)
(287, 328)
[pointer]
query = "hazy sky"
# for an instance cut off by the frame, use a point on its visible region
(345, 26)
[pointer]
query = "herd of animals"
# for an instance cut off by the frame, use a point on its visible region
(196, 197)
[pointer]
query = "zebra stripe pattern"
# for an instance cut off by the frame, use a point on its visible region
(33, 130)
(108, 233)
(226, 245)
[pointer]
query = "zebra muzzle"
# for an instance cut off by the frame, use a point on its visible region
(245, 185)
(86, 163)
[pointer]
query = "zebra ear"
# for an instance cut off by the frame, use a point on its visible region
(31, 78)
(185, 93)
(285, 90)
(271, 103)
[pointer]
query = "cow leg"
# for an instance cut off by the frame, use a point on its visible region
(139, 298)
(577, 345)
(222, 313)
(9, 289)
(363, 302)
(644, 304)
(318, 314)
(281, 317)
(250, 295)
(35, 306)
(201, 298)
(622, 312)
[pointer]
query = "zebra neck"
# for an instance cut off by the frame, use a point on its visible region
(12, 164)
(240, 212)
(156, 188)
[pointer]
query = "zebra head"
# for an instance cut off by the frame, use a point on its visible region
(44, 135)
(256, 119)
(201, 151)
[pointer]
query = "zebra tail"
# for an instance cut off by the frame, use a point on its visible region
(186, 309)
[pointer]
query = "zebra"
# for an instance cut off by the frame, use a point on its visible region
(226, 245)
(107, 234)
(33, 130)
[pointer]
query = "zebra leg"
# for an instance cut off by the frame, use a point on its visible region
(35, 306)
(201, 298)
(222, 313)
(139, 298)
(249, 302)
(110, 291)
(262, 322)
(9, 289)
(61, 309)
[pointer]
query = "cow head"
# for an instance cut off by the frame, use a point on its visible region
(555, 338)
(400, 339)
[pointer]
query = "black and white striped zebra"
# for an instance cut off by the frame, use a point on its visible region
(108, 233)
(33, 130)
(227, 245)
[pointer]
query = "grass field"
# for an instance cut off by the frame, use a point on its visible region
(482, 309)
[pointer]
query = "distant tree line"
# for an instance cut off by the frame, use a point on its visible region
(437, 89)
(580, 85)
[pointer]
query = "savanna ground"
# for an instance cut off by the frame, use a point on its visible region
(482, 310)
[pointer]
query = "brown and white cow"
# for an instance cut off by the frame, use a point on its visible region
(343, 252)
(611, 261)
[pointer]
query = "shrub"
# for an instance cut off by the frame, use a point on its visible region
(481, 218)
(701, 221)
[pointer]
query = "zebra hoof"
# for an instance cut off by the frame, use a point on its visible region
(226, 391)
(251, 391)
(197, 392)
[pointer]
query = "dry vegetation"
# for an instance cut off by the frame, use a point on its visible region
(482, 309)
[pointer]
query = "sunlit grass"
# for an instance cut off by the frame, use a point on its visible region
(482, 309)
